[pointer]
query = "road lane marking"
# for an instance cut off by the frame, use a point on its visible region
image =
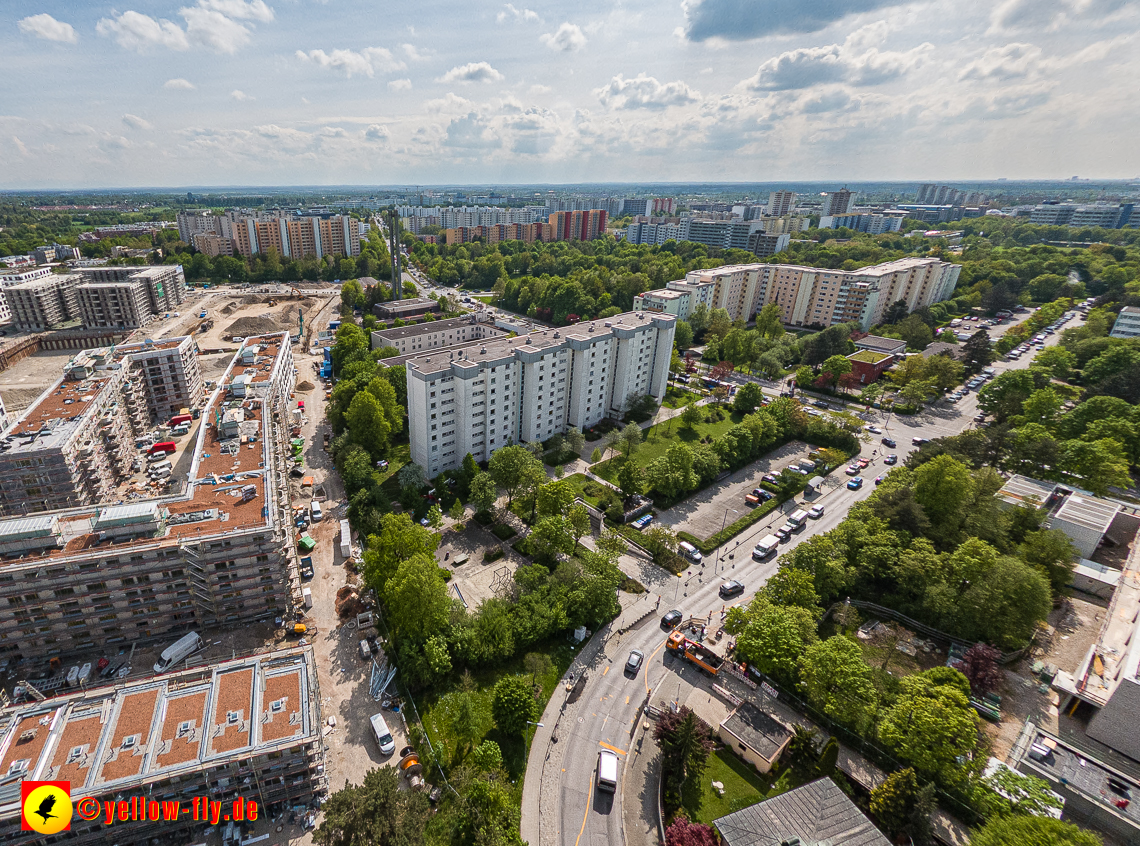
(627, 700)
(586, 816)
(651, 656)
(606, 670)
(605, 745)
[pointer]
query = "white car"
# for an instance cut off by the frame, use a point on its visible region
(815, 512)
(874, 430)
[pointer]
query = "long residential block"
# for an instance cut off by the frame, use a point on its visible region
(811, 297)
(477, 398)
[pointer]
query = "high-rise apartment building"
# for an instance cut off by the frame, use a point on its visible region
(781, 203)
(291, 235)
(247, 729)
(44, 303)
(838, 202)
(809, 296)
(478, 398)
(577, 225)
(219, 551)
(762, 245)
(873, 224)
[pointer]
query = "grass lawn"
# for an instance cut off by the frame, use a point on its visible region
(743, 786)
(583, 486)
(659, 438)
(679, 397)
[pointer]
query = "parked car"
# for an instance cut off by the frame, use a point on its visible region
(671, 619)
(731, 588)
(853, 470)
(980, 418)
(863, 463)
(770, 478)
(855, 484)
(819, 404)
(784, 532)
(879, 478)
(891, 459)
(815, 512)
(633, 662)
(919, 441)
(889, 442)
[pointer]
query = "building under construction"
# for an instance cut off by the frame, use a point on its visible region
(75, 444)
(246, 729)
(88, 580)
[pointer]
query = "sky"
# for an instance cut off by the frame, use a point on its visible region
(183, 93)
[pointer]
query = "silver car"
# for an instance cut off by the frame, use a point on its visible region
(633, 662)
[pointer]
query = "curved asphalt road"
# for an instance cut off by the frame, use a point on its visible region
(611, 699)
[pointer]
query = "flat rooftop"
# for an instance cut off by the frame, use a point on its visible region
(221, 467)
(869, 356)
(430, 327)
(1022, 490)
(120, 737)
(761, 732)
(494, 349)
(1087, 512)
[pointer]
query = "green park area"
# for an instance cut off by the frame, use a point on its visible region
(661, 436)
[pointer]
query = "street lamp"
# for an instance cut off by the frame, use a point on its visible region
(526, 740)
(720, 551)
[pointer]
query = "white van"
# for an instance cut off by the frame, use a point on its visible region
(689, 551)
(798, 518)
(768, 544)
(159, 472)
(156, 457)
(315, 511)
(607, 771)
(179, 651)
(383, 736)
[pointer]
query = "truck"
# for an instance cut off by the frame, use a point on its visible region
(179, 419)
(704, 658)
(328, 354)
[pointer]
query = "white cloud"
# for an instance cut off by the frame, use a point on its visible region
(1010, 61)
(48, 28)
(178, 84)
(806, 67)
(471, 132)
(511, 13)
(19, 145)
(400, 84)
(212, 24)
(376, 132)
(240, 95)
(416, 54)
(136, 122)
(367, 62)
(1055, 15)
(568, 38)
(449, 103)
(538, 88)
(135, 31)
(472, 72)
(644, 92)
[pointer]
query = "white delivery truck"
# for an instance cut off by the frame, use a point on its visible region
(797, 519)
(315, 511)
(768, 544)
(179, 651)
(607, 771)
(689, 551)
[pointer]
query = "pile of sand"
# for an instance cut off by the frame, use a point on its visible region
(249, 326)
(305, 387)
(229, 308)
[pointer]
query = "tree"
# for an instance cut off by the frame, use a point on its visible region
(464, 718)
(550, 536)
(944, 370)
(416, 598)
(791, 586)
(893, 802)
(483, 493)
(699, 319)
(438, 658)
(630, 439)
(977, 352)
(1059, 361)
(369, 426)
(774, 637)
(435, 516)
(896, 312)
(805, 376)
(1031, 831)
(351, 294)
(575, 440)
(596, 455)
(411, 477)
(836, 366)
(838, 682)
(686, 742)
(682, 335)
(980, 667)
(456, 512)
(513, 704)
(1013, 792)
(1003, 396)
(555, 498)
(537, 664)
(930, 726)
(684, 833)
(691, 417)
(942, 487)
(630, 478)
(802, 757)
(578, 519)
(508, 467)
(398, 539)
(1051, 552)
(487, 756)
(748, 398)
(770, 322)
(374, 813)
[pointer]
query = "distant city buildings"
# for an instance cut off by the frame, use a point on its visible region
(938, 195)
(807, 296)
(872, 224)
(781, 203)
(1127, 323)
(838, 202)
(291, 235)
(1106, 215)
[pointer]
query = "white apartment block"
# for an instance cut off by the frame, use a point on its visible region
(781, 203)
(808, 296)
(1127, 323)
(476, 399)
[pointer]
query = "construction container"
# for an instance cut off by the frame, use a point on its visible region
(345, 539)
(306, 597)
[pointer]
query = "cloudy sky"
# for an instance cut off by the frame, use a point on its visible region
(303, 92)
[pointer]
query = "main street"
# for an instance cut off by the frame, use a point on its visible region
(610, 701)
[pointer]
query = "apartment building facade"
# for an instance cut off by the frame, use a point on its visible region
(291, 235)
(44, 303)
(480, 397)
(1127, 323)
(220, 552)
(435, 334)
(838, 202)
(247, 729)
(577, 225)
(781, 203)
(810, 296)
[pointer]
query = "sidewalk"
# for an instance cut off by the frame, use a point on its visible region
(639, 789)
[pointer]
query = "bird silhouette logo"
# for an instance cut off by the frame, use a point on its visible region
(46, 806)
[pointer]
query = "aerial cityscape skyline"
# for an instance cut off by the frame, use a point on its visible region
(248, 92)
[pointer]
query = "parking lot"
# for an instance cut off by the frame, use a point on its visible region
(706, 512)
